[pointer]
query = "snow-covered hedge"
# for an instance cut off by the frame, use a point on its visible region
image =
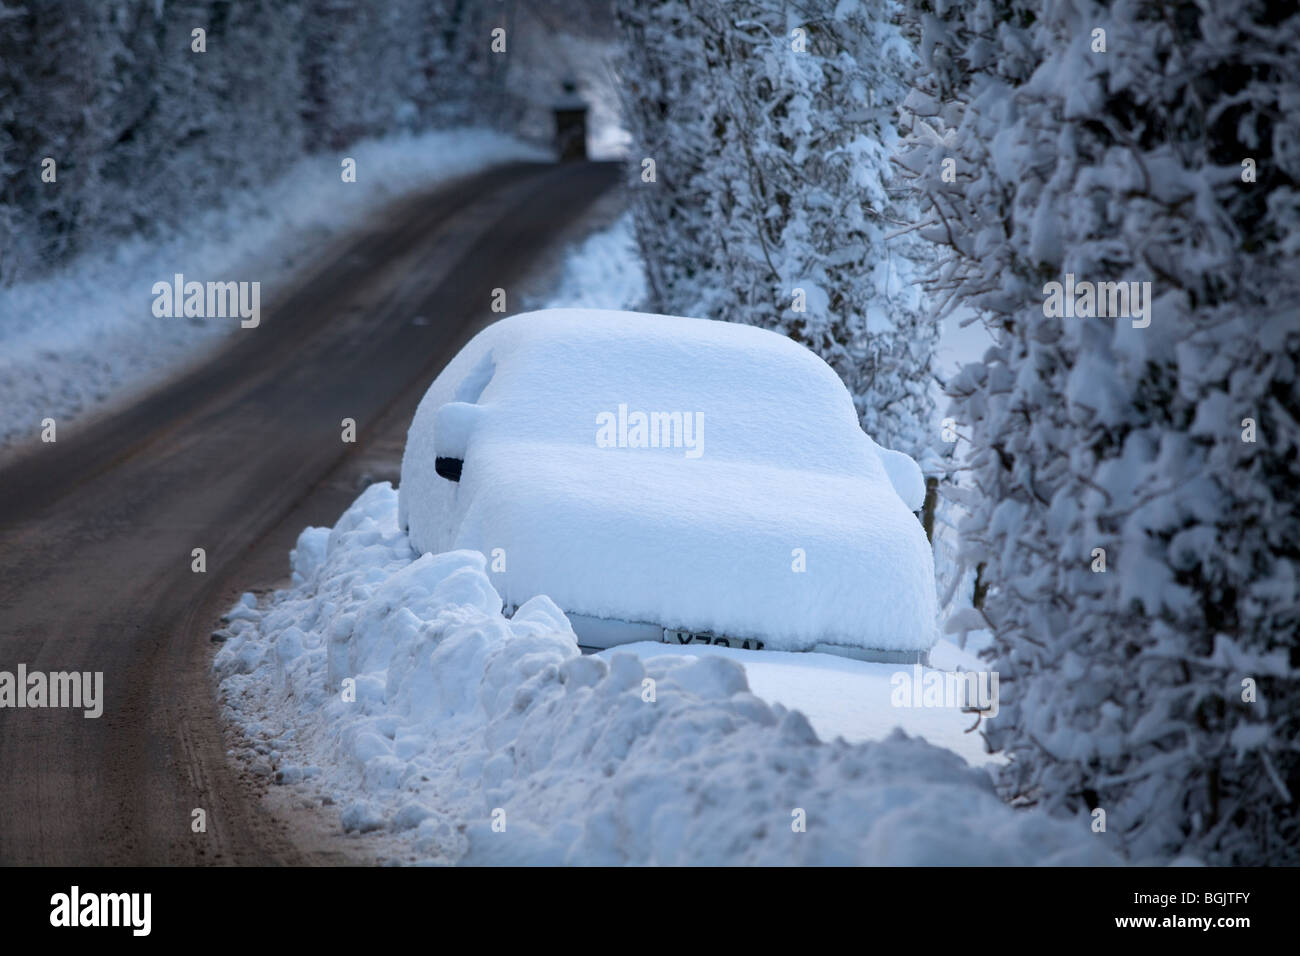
(149, 124)
(770, 126)
(1134, 475)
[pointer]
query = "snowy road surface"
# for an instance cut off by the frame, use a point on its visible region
(97, 530)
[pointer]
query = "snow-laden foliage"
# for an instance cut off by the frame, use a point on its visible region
(770, 126)
(1161, 685)
(145, 129)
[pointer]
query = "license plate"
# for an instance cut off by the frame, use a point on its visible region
(691, 637)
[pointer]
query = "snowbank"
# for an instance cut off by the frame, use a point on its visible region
(463, 719)
(842, 697)
(782, 521)
(87, 335)
(604, 271)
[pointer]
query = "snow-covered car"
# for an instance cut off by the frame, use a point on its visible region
(672, 479)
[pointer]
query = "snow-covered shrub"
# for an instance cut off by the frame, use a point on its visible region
(770, 126)
(1136, 483)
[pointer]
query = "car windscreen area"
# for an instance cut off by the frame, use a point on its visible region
(690, 387)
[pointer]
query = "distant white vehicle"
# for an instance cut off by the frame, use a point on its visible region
(672, 479)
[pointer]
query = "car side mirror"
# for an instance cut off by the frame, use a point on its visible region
(452, 426)
(449, 468)
(906, 477)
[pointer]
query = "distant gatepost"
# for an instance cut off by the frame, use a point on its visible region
(571, 125)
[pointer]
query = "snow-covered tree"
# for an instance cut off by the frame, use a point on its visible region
(58, 64)
(1135, 463)
(342, 106)
(769, 125)
(16, 249)
(147, 121)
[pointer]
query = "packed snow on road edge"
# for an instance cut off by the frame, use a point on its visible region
(85, 336)
(479, 739)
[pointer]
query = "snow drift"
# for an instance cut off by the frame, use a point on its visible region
(463, 718)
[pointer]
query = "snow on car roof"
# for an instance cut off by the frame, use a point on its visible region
(763, 397)
(761, 466)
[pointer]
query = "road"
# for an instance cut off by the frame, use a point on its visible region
(97, 529)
